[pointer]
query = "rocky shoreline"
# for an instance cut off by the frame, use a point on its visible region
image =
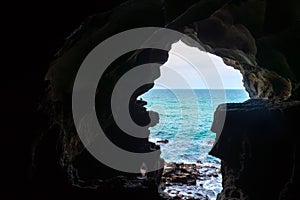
(191, 181)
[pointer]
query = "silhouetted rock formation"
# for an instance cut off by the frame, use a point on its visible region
(257, 146)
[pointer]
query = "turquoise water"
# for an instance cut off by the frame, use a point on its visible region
(185, 121)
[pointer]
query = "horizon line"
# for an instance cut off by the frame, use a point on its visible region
(198, 89)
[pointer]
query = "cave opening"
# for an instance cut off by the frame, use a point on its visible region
(258, 147)
(185, 96)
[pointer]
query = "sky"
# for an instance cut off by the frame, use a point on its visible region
(190, 68)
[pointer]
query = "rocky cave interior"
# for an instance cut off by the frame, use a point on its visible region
(257, 145)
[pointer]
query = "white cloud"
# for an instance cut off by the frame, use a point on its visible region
(188, 67)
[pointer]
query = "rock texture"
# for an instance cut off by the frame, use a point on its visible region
(237, 32)
(79, 168)
(257, 146)
(191, 181)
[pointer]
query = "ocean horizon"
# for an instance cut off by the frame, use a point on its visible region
(185, 119)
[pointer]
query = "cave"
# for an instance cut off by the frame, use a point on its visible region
(256, 142)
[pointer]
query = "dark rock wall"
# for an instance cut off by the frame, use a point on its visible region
(258, 37)
(257, 146)
(78, 168)
(240, 32)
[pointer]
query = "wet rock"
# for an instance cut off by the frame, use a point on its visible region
(163, 141)
(191, 181)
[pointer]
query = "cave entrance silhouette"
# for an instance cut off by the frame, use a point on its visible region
(186, 106)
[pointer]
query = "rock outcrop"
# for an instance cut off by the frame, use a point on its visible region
(257, 146)
(191, 181)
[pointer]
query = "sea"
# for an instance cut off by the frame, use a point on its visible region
(185, 119)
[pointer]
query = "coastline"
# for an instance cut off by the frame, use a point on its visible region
(198, 181)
